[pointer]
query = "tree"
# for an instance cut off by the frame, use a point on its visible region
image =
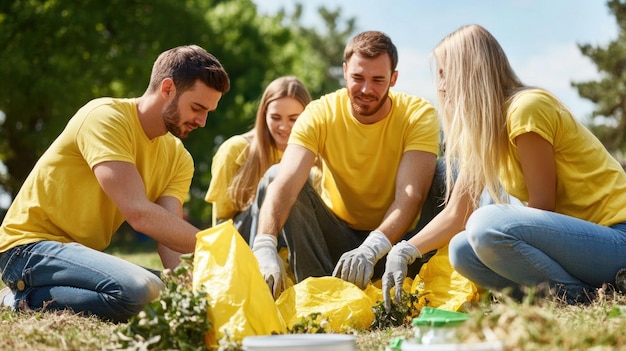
(609, 93)
(58, 55)
(330, 44)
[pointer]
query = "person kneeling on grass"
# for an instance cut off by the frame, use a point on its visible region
(571, 236)
(116, 160)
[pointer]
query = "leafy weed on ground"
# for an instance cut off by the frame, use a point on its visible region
(178, 320)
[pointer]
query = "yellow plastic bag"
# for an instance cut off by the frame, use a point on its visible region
(343, 304)
(446, 288)
(241, 302)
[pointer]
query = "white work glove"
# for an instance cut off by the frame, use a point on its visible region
(271, 265)
(399, 258)
(357, 266)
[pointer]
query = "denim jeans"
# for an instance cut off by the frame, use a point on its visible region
(316, 237)
(512, 247)
(53, 276)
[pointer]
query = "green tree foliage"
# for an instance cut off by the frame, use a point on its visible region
(58, 54)
(609, 93)
(330, 44)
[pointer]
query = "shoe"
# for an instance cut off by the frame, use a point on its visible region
(3, 293)
(620, 281)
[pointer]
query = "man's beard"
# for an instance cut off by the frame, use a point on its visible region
(366, 110)
(171, 117)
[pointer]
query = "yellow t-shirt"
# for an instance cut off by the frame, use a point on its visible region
(229, 157)
(61, 199)
(227, 160)
(591, 184)
(361, 160)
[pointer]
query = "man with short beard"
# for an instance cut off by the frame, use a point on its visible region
(116, 160)
(379, 151)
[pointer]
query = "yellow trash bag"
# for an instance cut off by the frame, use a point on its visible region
(241, 303)
(343, 304)
(446, 288)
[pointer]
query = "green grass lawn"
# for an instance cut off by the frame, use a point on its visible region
(522, 327)
(544, 325)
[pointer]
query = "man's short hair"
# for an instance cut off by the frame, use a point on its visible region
(187, 64)
(372, 44)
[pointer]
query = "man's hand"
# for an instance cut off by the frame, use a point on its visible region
(357, 266)
(271, 265)
(401, 255)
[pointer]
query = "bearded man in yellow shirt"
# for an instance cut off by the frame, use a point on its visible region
(379, 149)
(116, 160)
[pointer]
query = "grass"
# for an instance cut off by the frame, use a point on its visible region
(52, 331)
(545, 325)
(548, 326)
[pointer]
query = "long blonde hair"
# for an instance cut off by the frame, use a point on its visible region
(263, 151)
(475, 84)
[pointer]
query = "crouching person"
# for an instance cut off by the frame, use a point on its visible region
(116, 160)
(379, 151)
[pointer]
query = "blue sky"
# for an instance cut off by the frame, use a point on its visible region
(540, 37)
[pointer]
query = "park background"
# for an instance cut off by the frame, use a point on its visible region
(57, 55)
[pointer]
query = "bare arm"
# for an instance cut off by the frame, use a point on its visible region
(537, 158)
(413, 181)
(123, 184)
(169, 257)
(282, 192)
(449, 222)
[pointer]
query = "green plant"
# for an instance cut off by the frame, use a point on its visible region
(311, 324)
(177, 320)
(400, 313)
(227, 343)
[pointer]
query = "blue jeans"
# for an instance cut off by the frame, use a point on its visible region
(316, 237)
(54, 276)
(507, 248)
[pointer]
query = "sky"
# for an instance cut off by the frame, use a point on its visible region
(540, 37)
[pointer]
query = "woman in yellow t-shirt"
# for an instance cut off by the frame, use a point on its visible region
(570, 237)
(242, 160)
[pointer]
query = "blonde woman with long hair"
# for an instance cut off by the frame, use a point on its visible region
(242, 160)
(570, 238)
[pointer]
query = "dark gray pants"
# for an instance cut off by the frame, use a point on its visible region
(316, 238)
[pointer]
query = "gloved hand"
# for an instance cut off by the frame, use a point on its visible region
(357, 266)
(271, 265)
(399, 258)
